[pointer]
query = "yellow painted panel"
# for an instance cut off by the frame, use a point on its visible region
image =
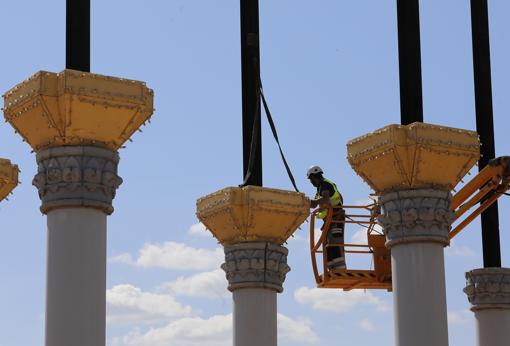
(253, 213)
(414, 156)
(75, 108)
(8, 178)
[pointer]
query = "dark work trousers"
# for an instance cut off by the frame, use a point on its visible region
(335, 235)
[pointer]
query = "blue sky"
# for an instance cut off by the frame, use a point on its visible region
(330, 73)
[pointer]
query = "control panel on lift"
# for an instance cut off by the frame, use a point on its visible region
(483, 190)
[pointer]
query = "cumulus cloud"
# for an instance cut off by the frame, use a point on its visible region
(359, 237)
(304, 236)
(296, 237)
(366, 325)
(365, 201)
(189, 331)
(127, 304)
(459, 250)
(212, 331)
(212, 284)
(317, 234)
(297, 330)
(125, 258)
(460, 317)
(198, 229)
(172, 255)
(338, 301)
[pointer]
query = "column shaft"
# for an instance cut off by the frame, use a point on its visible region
(488, 291)
(416, 223)
(76, 277)
(493, 327)
(255, 272)
(419, 294)
(76, 185)
(255, 317)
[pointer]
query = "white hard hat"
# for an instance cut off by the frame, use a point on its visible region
(313, 170)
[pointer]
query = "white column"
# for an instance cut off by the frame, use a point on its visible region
(255, 317)
(256, 272)
(76, 277)
(416, 224)
(488, 291)
(76, 186)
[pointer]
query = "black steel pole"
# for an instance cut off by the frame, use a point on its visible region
(484, 123)
(409, 57)
(250, 66)
(78, 35)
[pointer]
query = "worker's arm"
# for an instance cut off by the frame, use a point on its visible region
(323, 200)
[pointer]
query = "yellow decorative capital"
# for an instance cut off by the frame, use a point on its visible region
(77, 108)
(418, 155)
(253, 214)
(8, 178)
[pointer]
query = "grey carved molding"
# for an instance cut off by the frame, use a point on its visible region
(77, 176)
(421, 215)
(488, 288)
(256, 265)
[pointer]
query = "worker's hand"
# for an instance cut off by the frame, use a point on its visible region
(324, 202)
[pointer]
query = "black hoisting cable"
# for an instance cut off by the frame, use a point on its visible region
(253, 146)
(250, 176)
(275, 135)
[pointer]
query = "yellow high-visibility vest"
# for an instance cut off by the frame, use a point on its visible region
(336, 199)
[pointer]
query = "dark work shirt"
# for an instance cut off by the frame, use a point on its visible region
(325, 186)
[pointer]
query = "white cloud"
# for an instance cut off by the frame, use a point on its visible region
(360, 236)
(366, 201)
(317, 234)
(337, 300)
(367, 325)
(196, 331)
(212, 284)
(172, 255)
(298, 330)
(460, 317)
(304, 237)
(213, 331)
(297, 237)
(122, 258)
(459, 250)
(378, 228)
(127, 304)
(198, 229)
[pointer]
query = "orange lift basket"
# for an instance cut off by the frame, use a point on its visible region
(484, 189)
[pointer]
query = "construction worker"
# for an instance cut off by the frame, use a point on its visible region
(328, 195)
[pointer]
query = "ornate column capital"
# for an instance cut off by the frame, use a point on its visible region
(488, 288)
(421, 215)
(255, 265)
(77, 176)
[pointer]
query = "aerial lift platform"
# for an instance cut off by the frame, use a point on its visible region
(484, 189)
